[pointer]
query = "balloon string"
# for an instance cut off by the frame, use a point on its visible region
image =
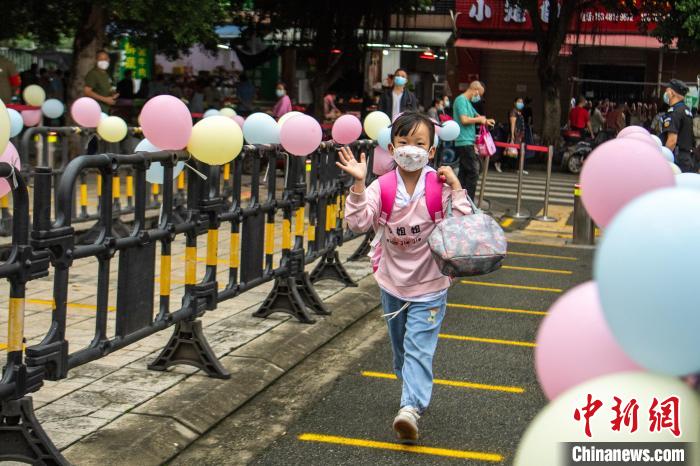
(201, 175)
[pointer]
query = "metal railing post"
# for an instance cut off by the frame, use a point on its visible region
(519, 214)
(545, 211)
(482, 189)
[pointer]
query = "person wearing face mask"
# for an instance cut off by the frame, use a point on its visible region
(98, 83)
(398, 99)
(517, 132)
(413, 290)
(284, 104)
(677, 126)
(436, 109)
(466, 115)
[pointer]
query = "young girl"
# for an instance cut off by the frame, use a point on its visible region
(413, 291)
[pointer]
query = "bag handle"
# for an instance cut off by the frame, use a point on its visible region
(475, 209)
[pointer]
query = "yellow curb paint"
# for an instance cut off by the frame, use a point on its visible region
(542, 256)
(356, 442)
(487, 340)
(452, 383)
(497, 309)
(514, 287)
(534, 269)
(50, 302)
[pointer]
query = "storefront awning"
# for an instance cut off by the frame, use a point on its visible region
(637, 41)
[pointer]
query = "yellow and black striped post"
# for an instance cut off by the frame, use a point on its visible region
(190, 261)
(234, 253)
(116, 192)
(165, 278)
(15, 324)
(130, 190)
(83, 196)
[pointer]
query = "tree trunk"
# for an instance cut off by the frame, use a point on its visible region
(89, 38)
(551, 104)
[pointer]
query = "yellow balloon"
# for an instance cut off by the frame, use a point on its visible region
(4, 127)
(34, 95)
(374, 122)
(227, 111)
(112, 129)
(287, 116)
(543, 441)
(216, 140)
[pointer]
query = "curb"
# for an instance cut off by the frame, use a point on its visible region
(160, 428)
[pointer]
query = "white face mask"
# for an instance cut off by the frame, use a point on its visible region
(411, 158)
(103, 64)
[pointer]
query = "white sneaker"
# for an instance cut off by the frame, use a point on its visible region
(497, 166)
(406, 424)
(525, 172)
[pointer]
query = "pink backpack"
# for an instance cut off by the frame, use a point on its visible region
(388, 184)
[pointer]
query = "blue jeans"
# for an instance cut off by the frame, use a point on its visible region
(414, 335)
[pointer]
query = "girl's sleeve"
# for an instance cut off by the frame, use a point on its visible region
(460, 204)
(362, 210)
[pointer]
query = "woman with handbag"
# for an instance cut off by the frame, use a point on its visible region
(516, 134)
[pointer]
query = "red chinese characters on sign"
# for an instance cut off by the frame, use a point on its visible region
(505, 15)
(662, 415)
(588, 411)
(626, 416)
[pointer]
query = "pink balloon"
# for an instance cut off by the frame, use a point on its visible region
(239, 120)
(396, 116)
(346, 129)
(12, 157)
(617, 172)
(575, 344)
(301, 135)
(31, 117)
(86, 112)
(166, 122)
(645, 138)
(383, 162)
(632, 130)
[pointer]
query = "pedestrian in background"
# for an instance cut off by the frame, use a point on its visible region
(284, 104)
(413, 290)
(98, 83)
(467, 117)
(516, 135)
(579, 118)
(597, 119)
(615, 120)
(435, 108)
(9, 80)
(398, 99)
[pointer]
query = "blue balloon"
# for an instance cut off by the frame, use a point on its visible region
(688, 180)
(16, 122)
(449, 131)
(261, 128)
(647, 273)
(384, 138)
(52, 108)
(211, 112)
(156, 172)
(667, 153)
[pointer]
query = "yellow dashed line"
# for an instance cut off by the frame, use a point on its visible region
(543, 256)
(533, 269)
(487, 340)
(356, 442)
(451, 383)
(515, 287)
(498, 309)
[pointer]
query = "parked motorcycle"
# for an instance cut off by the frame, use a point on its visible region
(577, 147)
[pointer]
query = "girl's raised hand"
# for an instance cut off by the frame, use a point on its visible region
(349, 165)
(447, 175)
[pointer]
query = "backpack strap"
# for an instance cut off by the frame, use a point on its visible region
(387, 190)
(433, 196)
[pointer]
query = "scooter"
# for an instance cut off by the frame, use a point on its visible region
(578, 148)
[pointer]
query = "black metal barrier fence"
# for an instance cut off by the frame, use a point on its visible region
(310, 215)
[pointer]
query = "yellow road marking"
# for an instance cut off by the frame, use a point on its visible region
(530, 243)
(543, 256)
(487, 340)
(451, 383)
(497, 309)
(533, 269)
(48, 302)
(507, 222)
(515, 287)
(356, 442)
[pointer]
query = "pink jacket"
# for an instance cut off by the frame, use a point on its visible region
(283, 105)
(406, 267)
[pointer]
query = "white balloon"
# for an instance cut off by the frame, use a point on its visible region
(676, 169)
(52, 108)
(227, 111)
(156, 170)
(211, 112)
(667, 153)
(450, 130)
(16, 122)
(657, 140)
